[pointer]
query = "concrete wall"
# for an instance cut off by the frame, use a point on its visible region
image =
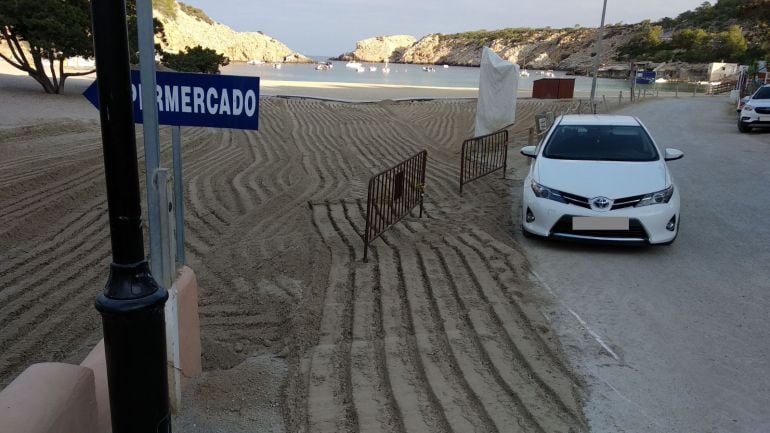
(63, 398)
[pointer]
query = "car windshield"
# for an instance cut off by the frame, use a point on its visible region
(762, 93)
(600, 143)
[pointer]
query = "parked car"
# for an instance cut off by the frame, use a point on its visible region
(600, 178)
(755, 112)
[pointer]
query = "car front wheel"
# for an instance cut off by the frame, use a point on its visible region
(743, 127)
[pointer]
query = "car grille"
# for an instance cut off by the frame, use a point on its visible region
(627, 202)
(617, 204)
(576, 200)
(762, 110)
(635, 230)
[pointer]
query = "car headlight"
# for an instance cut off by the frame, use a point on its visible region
(659, 197)
(748, 108)
(547, 193)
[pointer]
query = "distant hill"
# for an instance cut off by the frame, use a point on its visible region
(730, 30)
(186, 25)
(565, 49)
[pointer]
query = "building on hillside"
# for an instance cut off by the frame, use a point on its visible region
(614, 71)
(718, 71)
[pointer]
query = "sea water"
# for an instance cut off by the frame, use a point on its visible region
(410, 75)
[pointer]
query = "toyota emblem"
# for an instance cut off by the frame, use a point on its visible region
(601, 203)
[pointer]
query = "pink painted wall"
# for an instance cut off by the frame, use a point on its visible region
(64, 398)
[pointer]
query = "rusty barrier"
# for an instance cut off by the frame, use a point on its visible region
(393, 194)
(483, 155)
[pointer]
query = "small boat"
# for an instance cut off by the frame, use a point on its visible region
(661, 80)
(361, 69)
(446, 66)
(386, 69)
(429, 69)
(524, 73)
(255, 62)
(352, 65)
(276, 66)
(322, 67)
(372, 69)
(549, 73)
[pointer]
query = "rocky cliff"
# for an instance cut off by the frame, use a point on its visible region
(563, 49)
(380, 48)
(186, 29)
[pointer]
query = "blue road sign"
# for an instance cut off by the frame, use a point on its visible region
(216, 101)
(646, 77)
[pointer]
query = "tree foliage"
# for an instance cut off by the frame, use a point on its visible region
(688, 45)
(197, 13)
(729, 30)
(133, 34)
(195, 59)
(41, 34)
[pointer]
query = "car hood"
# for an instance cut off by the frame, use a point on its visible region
(759, 102)
(610, 179)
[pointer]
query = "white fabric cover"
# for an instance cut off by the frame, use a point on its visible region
(498, 84)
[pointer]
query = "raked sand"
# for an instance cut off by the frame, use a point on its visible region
(440, 331)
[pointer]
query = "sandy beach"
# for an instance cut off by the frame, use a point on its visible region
(441, 330)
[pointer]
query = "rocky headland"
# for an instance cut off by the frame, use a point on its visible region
(563, 49)
(187, 27)
(380, 49)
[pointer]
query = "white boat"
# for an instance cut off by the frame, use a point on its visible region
(549, 73)
(352, 65)
(255, 62)
(661, 80)
(446, 66)
(322, 67)
(276, 66)
(386, 69)
(524, 73)
(429, 69)
(372, 69)
(361, 69)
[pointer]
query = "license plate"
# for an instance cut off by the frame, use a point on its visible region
(764, 118)
(599, 223)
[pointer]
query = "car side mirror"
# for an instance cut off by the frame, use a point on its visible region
(673, 154)
(529, 151)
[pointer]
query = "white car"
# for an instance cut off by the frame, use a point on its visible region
(600, 178)
(755, 112)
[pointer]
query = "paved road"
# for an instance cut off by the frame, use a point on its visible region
(689, 324)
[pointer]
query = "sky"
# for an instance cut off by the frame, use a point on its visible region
(332, 27)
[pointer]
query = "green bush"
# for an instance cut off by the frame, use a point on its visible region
(195, 59)
(196, 13)
(166, 7)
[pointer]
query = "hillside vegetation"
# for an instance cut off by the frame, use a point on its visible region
(729, 30)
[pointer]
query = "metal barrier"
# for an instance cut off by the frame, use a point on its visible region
(483, 155)
(393, 194)
(724, 87)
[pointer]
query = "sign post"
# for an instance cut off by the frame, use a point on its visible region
(179, 99)
(183, 99)
(146, 39)
(176, 151)
(132, 303)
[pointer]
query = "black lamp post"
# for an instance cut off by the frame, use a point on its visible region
(132, 302)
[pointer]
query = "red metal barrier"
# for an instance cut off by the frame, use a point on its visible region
(393, 194)
(483, 155)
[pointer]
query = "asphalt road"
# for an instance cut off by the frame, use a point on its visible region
(677, 339)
